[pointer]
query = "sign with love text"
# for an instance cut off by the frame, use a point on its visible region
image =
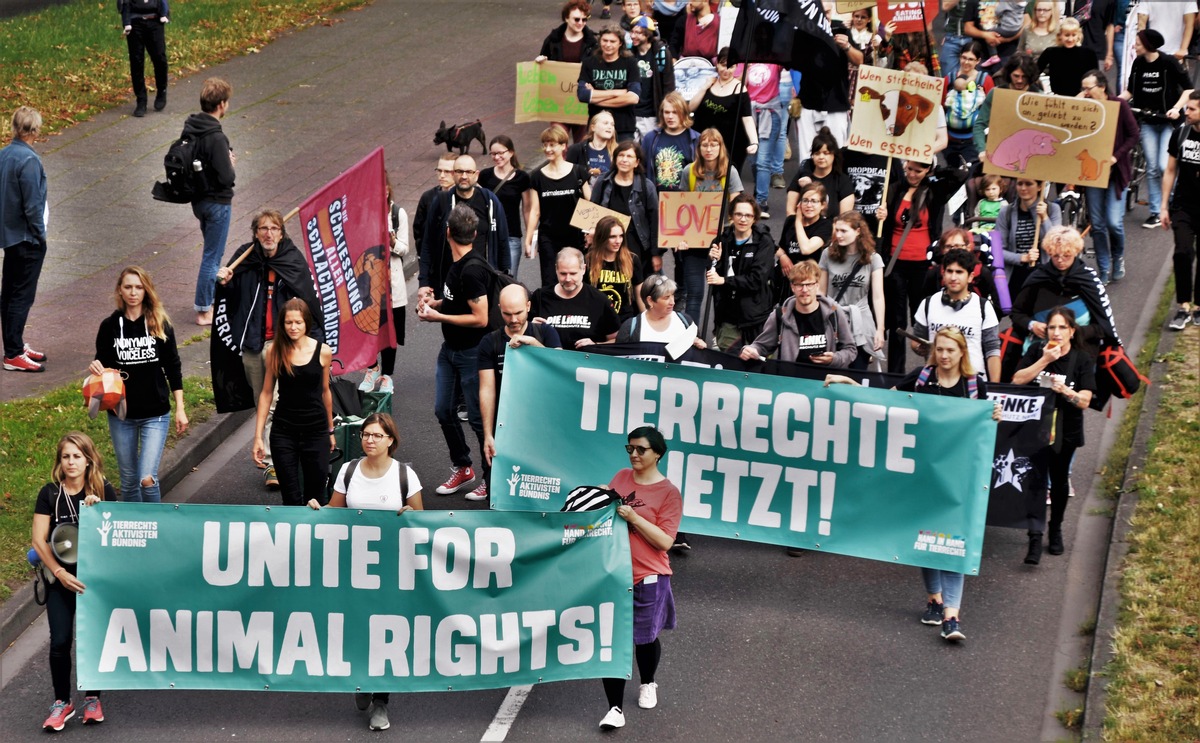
(338, 600)
(691, 217)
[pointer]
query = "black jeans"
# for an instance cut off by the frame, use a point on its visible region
(147, 37)
(18, 286)
(1060, 484)
(903, 291)
(1187, 284)
(60, 614)
(388, 355)
(296, 456)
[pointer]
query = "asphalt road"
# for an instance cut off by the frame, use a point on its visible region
(768, 647)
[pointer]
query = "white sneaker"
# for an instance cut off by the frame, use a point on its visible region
(386, 385)
(614, 719)
(648, 695)
(370, 379)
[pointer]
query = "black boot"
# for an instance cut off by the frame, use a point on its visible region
(1055, 542)
(140, 110)
(1034, 555)
(160, 100)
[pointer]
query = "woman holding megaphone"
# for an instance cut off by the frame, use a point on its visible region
(76, 480)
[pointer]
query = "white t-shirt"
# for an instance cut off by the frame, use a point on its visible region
(378, 493)
(935, 315)
(673, 330)
(1167, 19)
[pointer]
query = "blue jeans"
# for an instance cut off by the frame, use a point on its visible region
(952, 46)
(458, 370)
(516, 246)
(18, 286)
(214, 226)
(1106, 210)
(770, 148)
(949, 584)
(138, 444)
(693, 267)
(1155, 138)
(785, 99)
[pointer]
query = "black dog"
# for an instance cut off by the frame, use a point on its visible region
(461, 136)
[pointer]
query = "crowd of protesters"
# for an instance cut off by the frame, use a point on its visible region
(862, 275)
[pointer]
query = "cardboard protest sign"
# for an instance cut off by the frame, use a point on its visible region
(688, 216)
(1051, 137)
(588, 214)
(849, 6)
(895, 113)
(546, 92)
(909, 16)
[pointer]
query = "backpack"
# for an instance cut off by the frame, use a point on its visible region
(972, 382)
(498, 281)
(403, 475)
(635, 333)
(186, 181)
(962, 107)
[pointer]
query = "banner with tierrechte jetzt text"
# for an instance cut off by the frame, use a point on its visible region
(338, 600)
(856, 471)
(345, 231)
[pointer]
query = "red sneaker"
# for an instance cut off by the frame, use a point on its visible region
(92, 711)
(459, 477)
(60, 712)
(23, 363)
(33, 355)
(479, 493)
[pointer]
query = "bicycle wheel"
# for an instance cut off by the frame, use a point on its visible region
(1138, 162)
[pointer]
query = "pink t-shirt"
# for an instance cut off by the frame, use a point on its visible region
(762, 82)
(660, 504)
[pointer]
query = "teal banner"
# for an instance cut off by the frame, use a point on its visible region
(864, 472)
(337, 600)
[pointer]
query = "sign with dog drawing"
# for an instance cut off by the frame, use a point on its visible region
(691, 217)
(1051, 137)
(895, 114)
(546, 92)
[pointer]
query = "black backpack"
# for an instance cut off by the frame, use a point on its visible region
(496, 284)
(186, 181)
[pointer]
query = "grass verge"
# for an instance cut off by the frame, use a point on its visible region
(70, 62)
(1154, 681)
(29, 433)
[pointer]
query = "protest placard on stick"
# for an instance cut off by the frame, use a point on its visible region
(895, 114)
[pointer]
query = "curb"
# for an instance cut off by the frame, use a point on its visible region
(21, 610)
(1110, 591)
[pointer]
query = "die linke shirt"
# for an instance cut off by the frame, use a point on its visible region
(586, 315)
(812, 335)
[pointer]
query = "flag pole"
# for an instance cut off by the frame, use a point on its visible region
(887, 179)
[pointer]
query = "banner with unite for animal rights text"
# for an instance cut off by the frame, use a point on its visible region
(856, 471)
(337, 600)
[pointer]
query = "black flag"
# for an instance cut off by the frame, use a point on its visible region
(793, 33)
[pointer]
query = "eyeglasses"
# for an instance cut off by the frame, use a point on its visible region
(498, 153)
(954, 246)
(375, 436)
(813, 202)
(743, 215)
(641, 450)
(808, 285)
(269, 228)
(1089, 88)
(464, 172)
(968, 57)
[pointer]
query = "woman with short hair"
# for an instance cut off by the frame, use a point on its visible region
(556, 188)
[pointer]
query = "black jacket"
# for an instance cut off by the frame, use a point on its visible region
(552, 46)
(213, 148)
(745, 297)
(1047, 287)
(244, 298)
(934, 191)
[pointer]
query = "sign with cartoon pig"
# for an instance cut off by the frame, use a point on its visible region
(1050, 138)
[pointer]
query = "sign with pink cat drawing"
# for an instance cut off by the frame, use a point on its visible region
(1051, 138)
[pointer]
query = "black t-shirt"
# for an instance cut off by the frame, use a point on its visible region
(468, 278)
(867, 173)
(65, 510)
(837, 184)
(510, 193)
(482, 206)
(672, 154)
(1067, 68)
(931, 386)
(1079, 369)
(586, 315)
(1026, 227)
(1186, 151)
(721, 113)
(822, 228)
(621, 74)
(812, 334)
(618, 288)
(556, 203)
(1155, 86)
(493, 346)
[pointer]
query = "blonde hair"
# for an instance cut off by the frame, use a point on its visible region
(1063, 237)
(1052, 24)
(956, 335)
(157, 319)
(1068, 26)
(93, 476)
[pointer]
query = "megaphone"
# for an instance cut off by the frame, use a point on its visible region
(64, 541)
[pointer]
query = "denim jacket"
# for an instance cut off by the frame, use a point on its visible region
(22, 196)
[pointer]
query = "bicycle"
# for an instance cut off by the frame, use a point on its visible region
(1137, 159)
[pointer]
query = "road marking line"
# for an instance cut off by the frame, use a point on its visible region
(507, 714)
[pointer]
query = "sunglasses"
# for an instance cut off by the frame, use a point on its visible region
(641, 450)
